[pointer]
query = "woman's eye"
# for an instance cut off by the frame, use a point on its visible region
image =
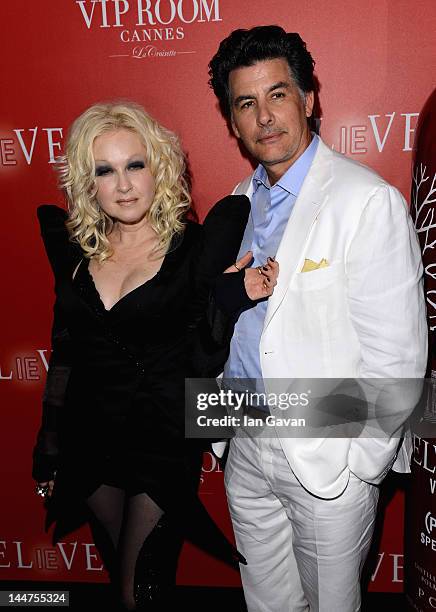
(136, 166)
(102, 171)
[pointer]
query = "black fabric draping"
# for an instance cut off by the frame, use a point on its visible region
(113, 408)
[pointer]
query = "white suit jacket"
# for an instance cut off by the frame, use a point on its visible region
(361, 316)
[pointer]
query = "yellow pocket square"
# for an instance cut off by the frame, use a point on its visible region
(310, 265)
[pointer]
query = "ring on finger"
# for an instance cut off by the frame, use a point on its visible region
(41, 490)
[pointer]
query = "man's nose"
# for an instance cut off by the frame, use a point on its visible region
(264, 115)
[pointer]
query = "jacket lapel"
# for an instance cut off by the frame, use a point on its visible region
(313, 196)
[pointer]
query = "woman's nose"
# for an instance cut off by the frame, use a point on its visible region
(124, 182)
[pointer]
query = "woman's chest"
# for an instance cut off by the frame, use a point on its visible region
(118, 276)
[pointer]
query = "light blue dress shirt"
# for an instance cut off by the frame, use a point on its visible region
(271, 208)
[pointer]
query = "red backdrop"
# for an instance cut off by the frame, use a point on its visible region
(375, 64)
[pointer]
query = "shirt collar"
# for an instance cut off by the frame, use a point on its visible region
(293, 178)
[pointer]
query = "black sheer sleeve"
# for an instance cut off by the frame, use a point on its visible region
(214, 318)
(46, 451)
(63, 257)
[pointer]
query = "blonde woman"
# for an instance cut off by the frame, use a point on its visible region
(131, 278)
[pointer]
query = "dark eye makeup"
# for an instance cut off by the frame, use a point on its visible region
(104, 170)
(136, 165)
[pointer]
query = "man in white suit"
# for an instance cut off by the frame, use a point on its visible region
(348, 304)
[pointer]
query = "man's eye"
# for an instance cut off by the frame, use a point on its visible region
(103, 171)
(278, 94)
(247, 104)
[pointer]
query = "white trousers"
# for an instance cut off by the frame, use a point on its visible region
(303, 552)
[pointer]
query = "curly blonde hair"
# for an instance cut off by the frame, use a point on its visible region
(88, 224)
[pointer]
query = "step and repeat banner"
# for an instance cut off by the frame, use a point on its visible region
(375, 65)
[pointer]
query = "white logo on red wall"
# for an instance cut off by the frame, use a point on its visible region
(23, 144)
(25, 367)
(391, 564)
(374, 132)
(148, 28)
(210, 467)
(64, 556)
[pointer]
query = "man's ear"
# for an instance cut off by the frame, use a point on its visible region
(309, 100)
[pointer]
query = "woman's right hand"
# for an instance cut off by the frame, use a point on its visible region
(47, 486)
(45, 461)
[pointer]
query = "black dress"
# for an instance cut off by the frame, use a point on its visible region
(114, 400)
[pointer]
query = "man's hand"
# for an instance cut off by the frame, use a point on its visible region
(259, 282)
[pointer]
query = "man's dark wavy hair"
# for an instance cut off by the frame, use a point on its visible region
(246, 47)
